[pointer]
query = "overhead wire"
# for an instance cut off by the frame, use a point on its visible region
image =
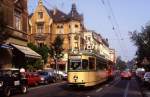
(113, 23)
(117, 26)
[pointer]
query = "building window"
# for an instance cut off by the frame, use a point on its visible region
(89, 47)
(40, 44)
(18, 20)
(58, 27)
(76, 26)
(76, 45)
(61, 26)
(40, 28)
(40, 15)
(89, 38)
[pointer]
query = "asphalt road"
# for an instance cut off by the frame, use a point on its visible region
(116, 88)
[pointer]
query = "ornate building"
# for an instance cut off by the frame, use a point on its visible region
(45, 25)
(40, 22)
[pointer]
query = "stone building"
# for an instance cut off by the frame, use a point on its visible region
(45, 25)
(15, 17)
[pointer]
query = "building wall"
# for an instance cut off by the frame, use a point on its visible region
(9, 7)
(46, 21)
(15, 16)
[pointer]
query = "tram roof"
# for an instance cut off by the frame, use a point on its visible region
(88, 53)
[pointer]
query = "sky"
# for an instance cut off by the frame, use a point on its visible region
(113, 19)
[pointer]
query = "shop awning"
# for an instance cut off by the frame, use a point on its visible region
(27, 51)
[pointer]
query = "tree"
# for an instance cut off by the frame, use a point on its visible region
(142, 41)
(43, 51)
(121, 65)
(56, 50)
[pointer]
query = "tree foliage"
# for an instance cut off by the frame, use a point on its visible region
(142, 41)
(43, 51)
(56, 48)
(120, 64)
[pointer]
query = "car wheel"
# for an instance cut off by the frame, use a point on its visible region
(53, 80)
(46, 82)
(23, 89)
(7, 92)
(36, 83)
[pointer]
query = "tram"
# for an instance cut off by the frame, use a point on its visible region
(88, 69)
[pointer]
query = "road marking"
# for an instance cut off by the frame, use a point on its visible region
(33, 88)
(100, 89)
(126, 90)
(106, 85)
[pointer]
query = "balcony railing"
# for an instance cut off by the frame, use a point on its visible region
(40, 20)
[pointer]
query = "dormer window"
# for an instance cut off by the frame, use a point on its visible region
(40, 15)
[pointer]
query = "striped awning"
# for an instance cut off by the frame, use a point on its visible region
(27, 51)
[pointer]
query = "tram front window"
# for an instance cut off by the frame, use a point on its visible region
(75, 65)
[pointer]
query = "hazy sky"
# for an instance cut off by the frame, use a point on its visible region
(129, 14)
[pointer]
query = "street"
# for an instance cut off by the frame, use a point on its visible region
(116, 88)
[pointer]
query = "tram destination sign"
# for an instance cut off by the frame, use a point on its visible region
(75, 57)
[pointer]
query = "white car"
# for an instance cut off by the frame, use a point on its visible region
(62, 74)
(147, 78)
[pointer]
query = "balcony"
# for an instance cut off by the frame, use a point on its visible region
(40, 36)
(40, 20)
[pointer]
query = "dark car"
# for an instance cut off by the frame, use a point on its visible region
(11, 80)
(46, 77)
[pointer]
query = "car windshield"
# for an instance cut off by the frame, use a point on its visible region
(43, 73)
(5, 73)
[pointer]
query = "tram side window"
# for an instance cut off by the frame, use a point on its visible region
(85, 64)
(101, 65)
(91, 63)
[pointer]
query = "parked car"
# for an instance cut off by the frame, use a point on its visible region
(146, 78)
(46, 77)
(140, 73)
(33, 78)
(11, 80)
(126, 75)
(62, 74)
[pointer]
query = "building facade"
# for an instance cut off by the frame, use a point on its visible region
(45, 25)
(15, 16)
(40, 23)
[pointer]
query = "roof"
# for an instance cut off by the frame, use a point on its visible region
(59, 16)
(74, 15)
(27, 51)
(30, 15)
(48, 11)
